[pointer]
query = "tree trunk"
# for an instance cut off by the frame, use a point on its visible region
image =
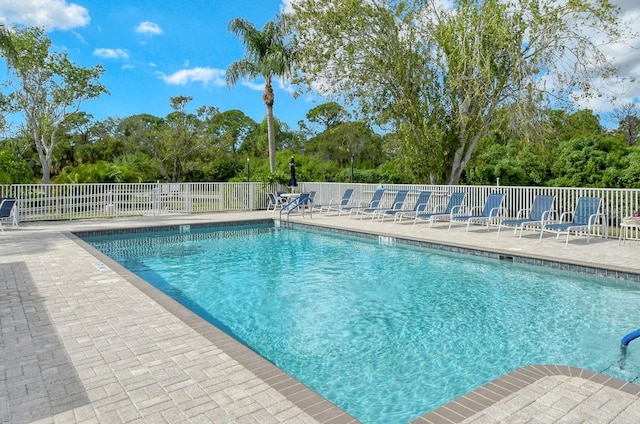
(45, 154)
(269, 100)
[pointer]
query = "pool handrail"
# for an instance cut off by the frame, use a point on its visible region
(630, 337)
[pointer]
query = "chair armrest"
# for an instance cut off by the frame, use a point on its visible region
(565, 214)
(495, 212)
(592, 219)
(523, 213)
(455, 210)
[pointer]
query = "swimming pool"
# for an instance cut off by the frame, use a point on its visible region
(386, 333)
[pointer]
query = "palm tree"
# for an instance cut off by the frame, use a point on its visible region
(266, 55)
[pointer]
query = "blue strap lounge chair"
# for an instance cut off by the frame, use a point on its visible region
(585, 217)
(275, 202)
(6, 206)
(490, 212)
(336, 206)
(376, 202)
(396, 206)
(420, 206)
(453, 207)
(536, 216)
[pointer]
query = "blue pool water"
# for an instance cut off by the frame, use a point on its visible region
(385, 332)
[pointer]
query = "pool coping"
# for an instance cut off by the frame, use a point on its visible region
(315, 405)
(491, 393)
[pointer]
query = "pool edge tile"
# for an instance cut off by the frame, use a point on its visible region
(488, 391)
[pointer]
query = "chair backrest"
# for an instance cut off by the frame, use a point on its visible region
(494, 200)
(304, 198)
(346, 197)
(5, 207)
(542, 204)
(421, 201)
(377, 196)
(312, 195)
(398, 202)
(586, 207)
(272, 198)
(455, 200)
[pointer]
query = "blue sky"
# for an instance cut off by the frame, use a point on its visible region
(153, 50)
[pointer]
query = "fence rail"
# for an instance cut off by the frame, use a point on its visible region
(38, 202)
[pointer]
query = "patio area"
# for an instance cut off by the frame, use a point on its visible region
(85, 341)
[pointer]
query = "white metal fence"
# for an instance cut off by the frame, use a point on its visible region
(37, 202)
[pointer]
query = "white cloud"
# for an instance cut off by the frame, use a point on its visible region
(286, 7)
(252, 85)
(79, 37)
(147, 27)
(50, 14)
(207, 76)
(111, 53)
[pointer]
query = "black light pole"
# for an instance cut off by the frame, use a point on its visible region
(248, 169)
(352, 169)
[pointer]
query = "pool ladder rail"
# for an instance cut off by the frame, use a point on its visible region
(300, 203)
(628, 339)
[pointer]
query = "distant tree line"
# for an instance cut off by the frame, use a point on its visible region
(206, 144)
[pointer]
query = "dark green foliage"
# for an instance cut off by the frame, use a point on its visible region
(14, 170)
(588, 162)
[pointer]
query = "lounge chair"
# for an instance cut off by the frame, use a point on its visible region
(536, 216)
(585, 217)
(454, 205)
(275, 202)
(376, 202)
(491, 210)
(331, 206)
(6, 207)
(420, 206)
(396, 206)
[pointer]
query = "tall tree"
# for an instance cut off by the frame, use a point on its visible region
(177, 141)
(7, 49)
(232, 128)
(439, 72)
(49, 88)
(328, 115)
(628, 117)
(267, 54)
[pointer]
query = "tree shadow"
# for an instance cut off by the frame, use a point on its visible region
(38, 378)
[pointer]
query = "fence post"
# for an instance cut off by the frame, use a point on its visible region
(155, 205)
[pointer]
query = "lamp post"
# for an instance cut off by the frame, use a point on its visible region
(248, 169)
(73, 156)
(352, 169)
